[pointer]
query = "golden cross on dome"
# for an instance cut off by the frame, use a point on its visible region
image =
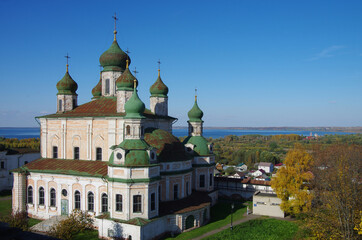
(135, 71)
(67, 57)
(115, 25)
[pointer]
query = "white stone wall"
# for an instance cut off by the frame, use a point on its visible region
(195, 128)
(267, 205)
(67, 102)
(112, 76)
(122, 97)
(159, 105)
(18, 201)
(11, 162)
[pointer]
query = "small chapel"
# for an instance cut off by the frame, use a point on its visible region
(118, 160)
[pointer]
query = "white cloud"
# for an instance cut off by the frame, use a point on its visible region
(326, 53)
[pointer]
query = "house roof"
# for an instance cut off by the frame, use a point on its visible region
(265, 164)
(193, 202)
(279, 164)
(245, 180)
(67, 166)
(101, 107)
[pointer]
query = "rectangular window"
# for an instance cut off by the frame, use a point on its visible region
(107, 86)
(99, 153)
(211, 179)
(202, 181)
(60, 105)
(137, 204)
(153, 201)
(187, 188)
(74, 103)
(159, 193)
(76, 152)
(119, 202)
(55, 152)
(52, 197)
(175, 191)
(2, 165)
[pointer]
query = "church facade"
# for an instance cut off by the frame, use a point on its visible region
(119, 161)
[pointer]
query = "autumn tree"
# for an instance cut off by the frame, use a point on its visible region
(291, 182)
(337, 208)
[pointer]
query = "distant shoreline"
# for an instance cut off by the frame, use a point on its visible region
(312, 129)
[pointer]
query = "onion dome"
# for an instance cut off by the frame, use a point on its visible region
(67, 86)
(114, 59)
(195, 114)
(97, 90)
(126, 80)
(159, 89)
(134, 107)
(201, 145)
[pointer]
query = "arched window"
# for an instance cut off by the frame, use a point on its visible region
(187, 188)
(99, 153)
(128, 130)
(77, 200)
(41, 196)
(211, 177)
(60, 105)
(153, 201)
(104, 203)
(119, 203)
(52, 197)
(202, 181)
(107, 86)
(90, 202)
(30, 194)
(74, 103)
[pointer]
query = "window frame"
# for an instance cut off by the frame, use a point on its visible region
(77, 202)
(104, 203)
(29, 192)
(55, 152)
(41, 199)
(175, 192)
(107, 87)
(76, 153)
(99, 153)
(153, 201)
(119, 203)
(137, 203)
(202, 180)
(90, 202)
(211, 179)
(53, 197)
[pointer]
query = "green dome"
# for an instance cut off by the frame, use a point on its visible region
(134, 107)
(97, 90)
(159, 89)
(195, 114)
(67, 85)
(169, 148)
(126, 80)
(201, 145)
(136, 152)
(114, 59)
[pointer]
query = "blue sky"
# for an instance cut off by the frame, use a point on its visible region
(254, 63)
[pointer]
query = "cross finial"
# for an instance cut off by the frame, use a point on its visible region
(159, 66)
(115, 25)
(67, 57)
(128, 52)
(127, 61)
(195, 94)
(135, 71)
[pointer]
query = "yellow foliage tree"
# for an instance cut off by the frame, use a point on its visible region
(291, 183)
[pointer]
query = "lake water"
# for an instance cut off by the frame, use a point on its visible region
(22, 133)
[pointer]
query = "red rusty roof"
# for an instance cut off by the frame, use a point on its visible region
(68, 167)
(102, 107)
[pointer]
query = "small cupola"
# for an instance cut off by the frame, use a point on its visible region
(126, 80)
(134, 107)
(67, 86)
(159, 89)
(195, 114)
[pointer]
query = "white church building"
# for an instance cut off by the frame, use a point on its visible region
(119, 161)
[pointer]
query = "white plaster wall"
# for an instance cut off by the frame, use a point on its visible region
(159, 105)
(122, 97)
(112, 76)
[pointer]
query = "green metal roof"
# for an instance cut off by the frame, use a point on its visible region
(114, 59)
(201, 145)
(195, 114)
(67, 86)
(126, 81)
(159, 89)
(134, 107)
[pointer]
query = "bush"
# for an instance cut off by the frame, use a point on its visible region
(17, 220)
(77, 222)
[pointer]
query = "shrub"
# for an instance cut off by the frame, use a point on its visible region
(17, 220)
(77, 222)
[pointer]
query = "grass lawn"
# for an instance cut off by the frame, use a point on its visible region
(5, 207)
(88, 235)
(263, 229)
(220, 216)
